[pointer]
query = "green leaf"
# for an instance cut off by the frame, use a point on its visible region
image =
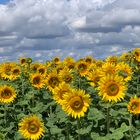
(83, 131)
(95, 114)
(55, 130)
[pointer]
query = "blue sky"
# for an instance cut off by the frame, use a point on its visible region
(4, 1)
(42, 29)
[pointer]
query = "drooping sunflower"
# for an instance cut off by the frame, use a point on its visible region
(112, 88)
(134, 105)
(53, 80)
(7, 94)
(82, 67)
(31, 127)
(37, 80)
(76, 103)
(124, 70)
(136, 53)
(59, 92)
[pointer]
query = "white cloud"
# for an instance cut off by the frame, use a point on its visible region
(74, 27)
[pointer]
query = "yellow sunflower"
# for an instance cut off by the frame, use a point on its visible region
(7, 94)
(89, 60)
(52, 80)
(59, 92)
(136, 53)
(42, 70)
(94, 77)
(111, 88)
(125, 71)
(37, 80)
(16, 72)
(134, 105)
(22, 61)
(6, 69)
(108, 68)
(56, 60)
(112, 59)
(82, 67)
(31, 127)
(66, 75)
(34, 66)
(76, 103)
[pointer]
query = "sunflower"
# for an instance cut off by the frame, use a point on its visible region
(56, 60)
(41, 69)
(22, 61)
(16, 72)
(125, 71)
(37, 80)
(94, 77)
(136, 53)
(7, 94)
(89, 60)
(112, 59)
(108, 68)
(34, 67)
(134, 105)
(125, 57)
(31, 127)
(59, 92)
(99, 63)
(6, 69)
(82, 67)
(76, 103)
(52, 80)
(66, 75)
(111, 88)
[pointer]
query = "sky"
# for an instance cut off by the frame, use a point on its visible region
(42, 29)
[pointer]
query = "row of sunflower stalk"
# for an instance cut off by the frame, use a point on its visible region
(71, 99)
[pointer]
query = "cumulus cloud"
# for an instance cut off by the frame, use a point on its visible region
(44, 28)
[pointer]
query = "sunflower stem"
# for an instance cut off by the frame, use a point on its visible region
(67, 132)
(108, 119)
(78, 128)
(130, 124)
(5, 114)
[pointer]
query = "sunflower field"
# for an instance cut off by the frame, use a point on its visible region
(85, 99)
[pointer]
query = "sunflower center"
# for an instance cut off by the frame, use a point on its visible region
(67, 78)
(113, 90)
(16, 71)
(76, 103)
(82, 67)
(41, 70)
(88, 60)
(134, 105)
(36, 80)
(23, 61)
(33, 128)
(53, 81)
(137, 53)
(6, 93)
(71, 66)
